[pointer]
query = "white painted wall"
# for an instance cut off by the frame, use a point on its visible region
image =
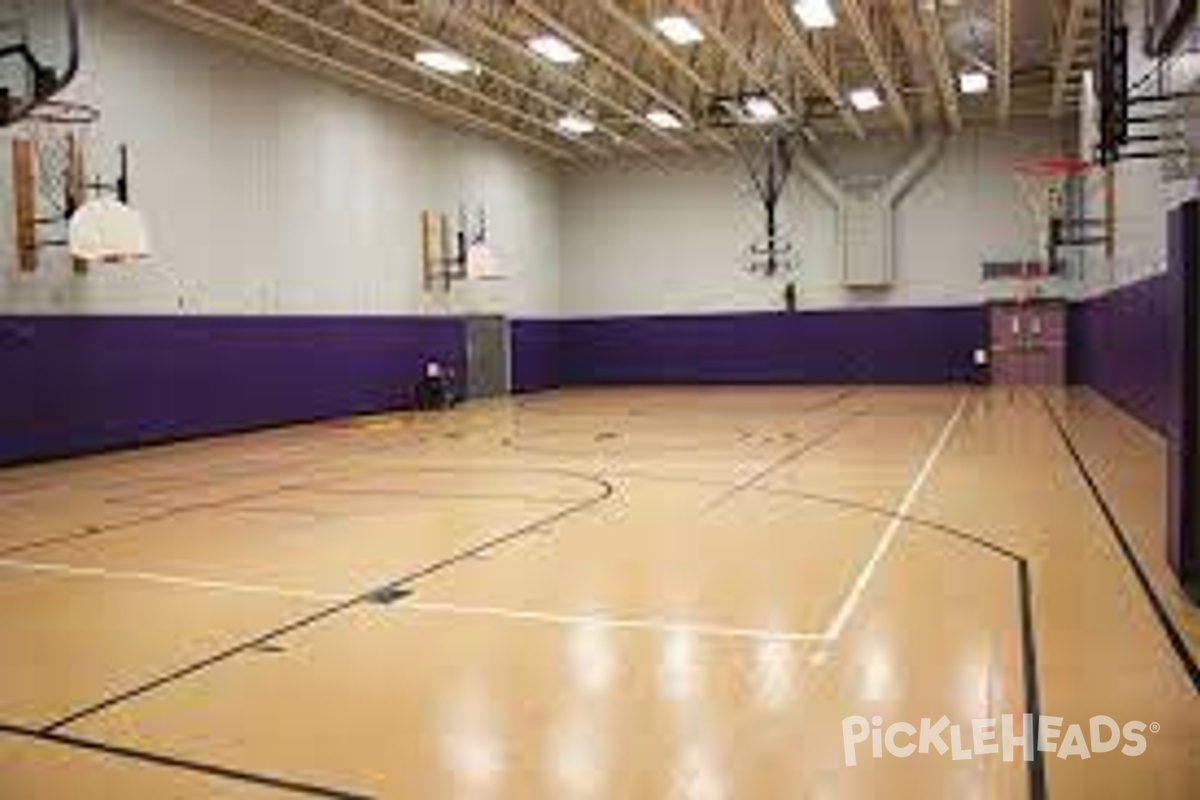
(673, 241)
(273, 191)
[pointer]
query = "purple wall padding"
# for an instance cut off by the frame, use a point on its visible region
(536, 363)
(81, 384)
(74, 385)
(879, 345)
(1119, 348)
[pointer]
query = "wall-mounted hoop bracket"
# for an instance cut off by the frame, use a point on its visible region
(451, 257)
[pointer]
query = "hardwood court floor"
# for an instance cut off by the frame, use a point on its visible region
(643, 593)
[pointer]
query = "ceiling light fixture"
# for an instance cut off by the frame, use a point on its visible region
(554, 50)
(866, 99)
(760, 109)
(445, 62)
(664, 120)
(815, 13)
(576, 125)
(974, 82)
(679, 29)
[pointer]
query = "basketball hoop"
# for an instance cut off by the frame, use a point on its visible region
(59, 132)
(768, 153)
(1045, 184)
(64, 112)
(50, 147)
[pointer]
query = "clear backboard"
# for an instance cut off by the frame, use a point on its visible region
(38, 53)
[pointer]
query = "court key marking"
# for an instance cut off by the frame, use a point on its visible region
(831, 633)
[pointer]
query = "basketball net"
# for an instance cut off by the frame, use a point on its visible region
(1044, 185)
(60, 133)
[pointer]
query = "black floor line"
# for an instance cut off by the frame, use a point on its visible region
(513, 443)
(736, 412)
(298, 788)
(1038, 788)
(790, 457)
(369, 597)
(158, 515)
(161, 514)
(1036, 766)
(1178, 643)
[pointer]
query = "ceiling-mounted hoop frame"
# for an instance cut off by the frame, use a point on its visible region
(48, 83)
(768, 155)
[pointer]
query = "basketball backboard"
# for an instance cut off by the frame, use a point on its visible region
(39, 53)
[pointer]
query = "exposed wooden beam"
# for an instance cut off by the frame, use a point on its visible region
(493, 71)
(629, 68)
(211, 23)
(652, 40)
(935, 44)
(904, 16)
(518, 50)
(1004, 23)
(861, 24)
(407, 64)
(780, 14)
(614, 63)
(610, 62)
(703, 17)
(1068, 43)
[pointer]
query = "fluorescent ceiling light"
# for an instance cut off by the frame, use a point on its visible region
(761, 109)
(679, 29)
(974, 82)
(865, 99)
(576, 125)
(554, 49)
(663, 119)
(446, 62)
(815, 13)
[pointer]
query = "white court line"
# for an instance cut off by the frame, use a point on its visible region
(831, 634)
(627, 623)
(170, 580)
(850, 604)
(654, 625)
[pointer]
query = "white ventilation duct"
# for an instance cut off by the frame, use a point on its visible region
(866, 222)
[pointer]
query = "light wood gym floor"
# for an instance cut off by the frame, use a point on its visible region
(651, 593)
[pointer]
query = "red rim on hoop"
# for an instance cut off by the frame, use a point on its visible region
(64, 112)
(1052, 167)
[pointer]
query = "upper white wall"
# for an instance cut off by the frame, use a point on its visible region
(674, 241)
(273, 191)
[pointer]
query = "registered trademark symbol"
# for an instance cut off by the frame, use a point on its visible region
(1155, 727)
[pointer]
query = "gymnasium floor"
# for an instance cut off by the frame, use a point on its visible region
(615, 594)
